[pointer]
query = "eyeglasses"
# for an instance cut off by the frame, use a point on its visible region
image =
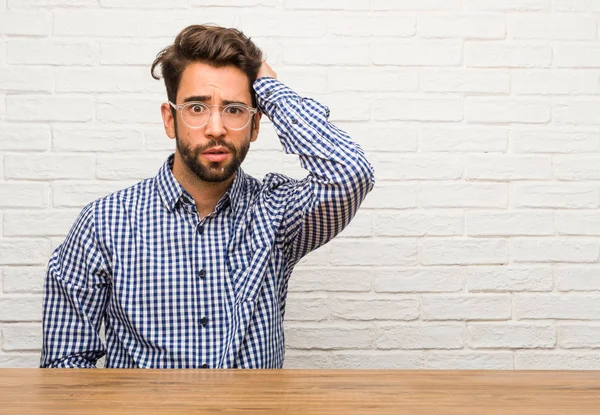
(197, 114)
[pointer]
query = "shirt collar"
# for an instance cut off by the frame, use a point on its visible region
(171, 191)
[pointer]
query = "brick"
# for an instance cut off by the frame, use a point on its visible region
(39, 223)
(421, 336)
(391, 136)
(296, 25)
(306, 309)
(561, 26)
(511, 223)
(49, 108)
(507, 5)
(44, 52)
(470, 360)
(119, 168)
(579, 336)
(580, 112)
(25, 23)
(466, 307)
(587, 6)
(327, 5)
(372, 79)
(461, 25)
(20, 360)
(299, 359)
(317, 258)
(557, 306)
(375, 24)
(331, 279)
(327, 53)
(102, 79)
(555, 250)
(576, 55)
(24, 137)
(158, 4)
(378, 360)
(22, 308)
(554, 82)
(576, 168)
(306, 80)
(230, 3)
(421, 53)
(417, 167)
(27, 4)
(435, 5)
(419, 280)
(418, 224)
(129, 110)
(463, 139)
(568, 196)
(511, 335)
(329, 337)
(28, 280)
(503, 279)
(507, 55)
(26, 79)
(374, 252)
(343, 107)
(22, 337)
(16, 251)
(466, 195)
(24, 195)
(50, 166)
(419, 109)
(557, 360)
(493, 81)
(396, 308)
(102, 139)
(391, 196)
(157, 140)
(79, 194)
(504, 167)
(578, 223)
(577, 278)
(131, 23)
(464, 251)
(132, 53)
(256, 164)
(554, 141)
(506, 110)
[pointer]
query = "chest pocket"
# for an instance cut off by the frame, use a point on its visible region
(247, 271)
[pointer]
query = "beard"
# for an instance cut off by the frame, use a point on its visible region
(213, 172)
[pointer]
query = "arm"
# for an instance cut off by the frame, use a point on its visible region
(75, 296)
(339, 175)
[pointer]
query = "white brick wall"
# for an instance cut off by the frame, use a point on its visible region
(479, 247)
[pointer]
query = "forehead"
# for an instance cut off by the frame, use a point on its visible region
(225, 83)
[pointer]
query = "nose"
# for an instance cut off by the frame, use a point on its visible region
(215, 127)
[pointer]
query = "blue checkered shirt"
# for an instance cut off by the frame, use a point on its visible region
(178, 291)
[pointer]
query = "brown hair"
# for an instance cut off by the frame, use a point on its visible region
(213, 45)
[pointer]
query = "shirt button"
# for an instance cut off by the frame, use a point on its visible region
(294, 121)
(268, 92)
(200, 229)
(202, 273)
(204, 366)
(204, 321)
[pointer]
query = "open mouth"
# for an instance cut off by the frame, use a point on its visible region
(216, 154)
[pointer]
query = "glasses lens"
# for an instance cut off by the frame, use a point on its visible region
(236, 117)
(195, 114)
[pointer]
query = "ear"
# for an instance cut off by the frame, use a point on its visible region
(168, 120)
(255, 126)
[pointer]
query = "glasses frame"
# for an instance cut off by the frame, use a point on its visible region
(180, 107)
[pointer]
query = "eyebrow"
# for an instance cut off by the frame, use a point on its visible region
(204, 98)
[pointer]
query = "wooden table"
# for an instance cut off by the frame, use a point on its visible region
(140, 392)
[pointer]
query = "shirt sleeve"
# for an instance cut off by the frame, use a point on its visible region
(340, 176)
(76, 291)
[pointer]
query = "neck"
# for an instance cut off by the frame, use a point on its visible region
(205, 194)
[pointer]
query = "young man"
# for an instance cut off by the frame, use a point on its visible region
(190, 268)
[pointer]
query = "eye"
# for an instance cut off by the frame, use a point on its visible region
(235, 110)
(197, 108)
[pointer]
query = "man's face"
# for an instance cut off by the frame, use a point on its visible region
(213, 152)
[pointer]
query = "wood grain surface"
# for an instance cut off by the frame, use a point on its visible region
(138, 391)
